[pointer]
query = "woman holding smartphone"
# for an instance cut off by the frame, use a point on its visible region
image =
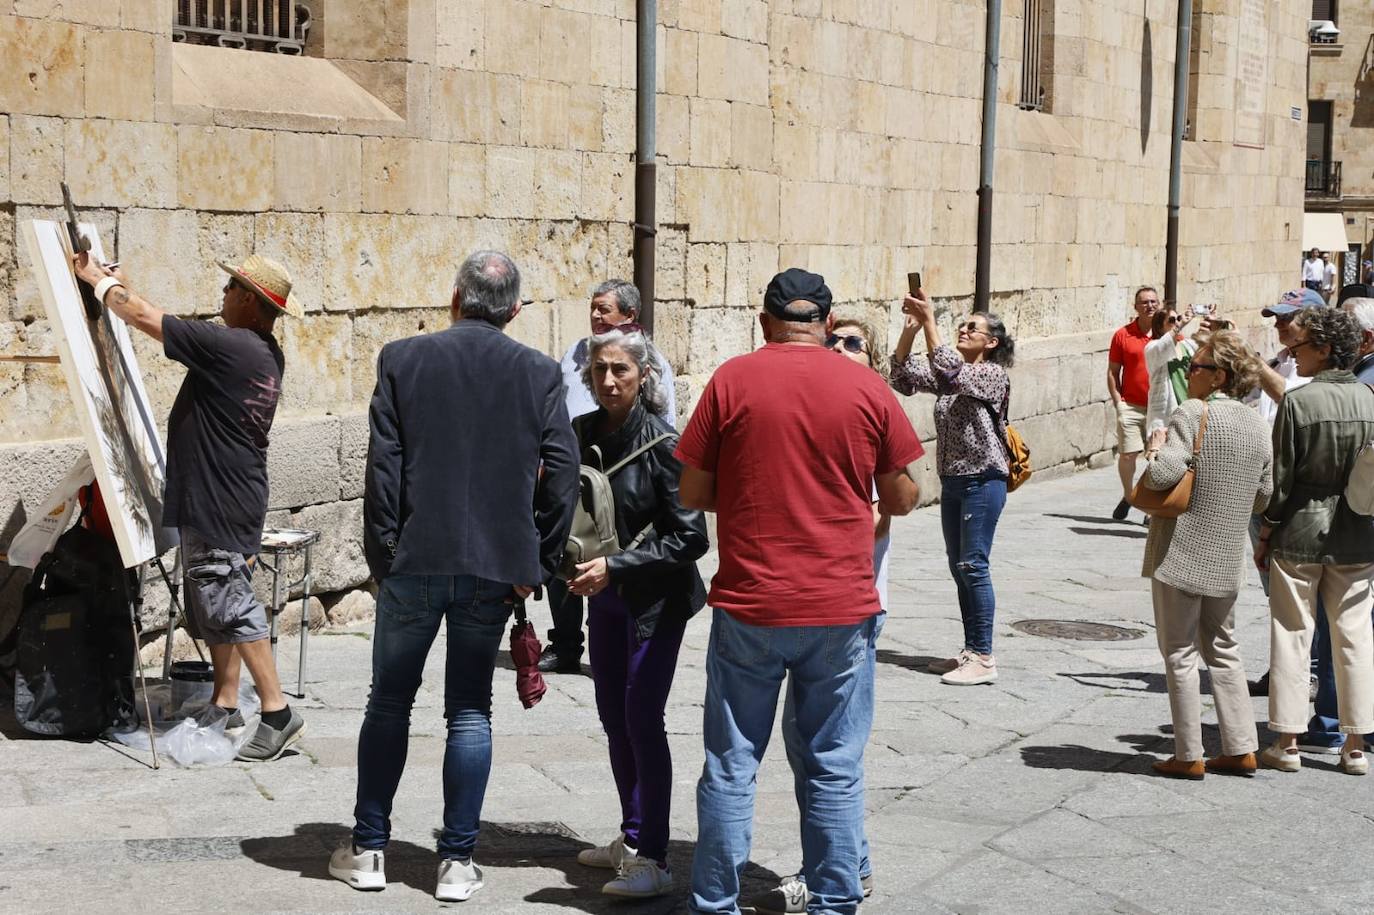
(972, 390)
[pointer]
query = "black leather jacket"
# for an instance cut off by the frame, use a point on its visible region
(659, 576)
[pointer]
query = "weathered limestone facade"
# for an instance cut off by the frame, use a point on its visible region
(1342, 74)
(841, 135)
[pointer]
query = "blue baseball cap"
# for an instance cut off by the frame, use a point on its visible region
(1294, 300)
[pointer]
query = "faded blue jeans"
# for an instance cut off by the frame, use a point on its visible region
(791, 740)
(832, 678)
(969, 509)
(409, 611)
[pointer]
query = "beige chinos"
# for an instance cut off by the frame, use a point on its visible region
(1189, 626)
(1346, 592)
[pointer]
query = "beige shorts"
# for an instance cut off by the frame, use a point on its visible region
(1130, 428)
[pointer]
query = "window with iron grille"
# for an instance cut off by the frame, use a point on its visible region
(1324, 10)
(256, 25)
(1037, 55)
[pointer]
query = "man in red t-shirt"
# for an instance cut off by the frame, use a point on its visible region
(1128, 382)
(786, 446)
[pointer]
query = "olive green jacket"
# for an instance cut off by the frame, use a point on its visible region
(1319, 430)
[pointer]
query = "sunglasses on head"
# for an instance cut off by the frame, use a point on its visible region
(852, 342)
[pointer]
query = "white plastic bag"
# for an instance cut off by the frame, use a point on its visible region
(40, 534)
(187, 735)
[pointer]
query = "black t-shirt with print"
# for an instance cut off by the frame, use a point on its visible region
(217, 431)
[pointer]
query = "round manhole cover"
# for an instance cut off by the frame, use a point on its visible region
(1077, 630)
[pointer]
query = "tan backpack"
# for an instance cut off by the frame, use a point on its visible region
(593, 533)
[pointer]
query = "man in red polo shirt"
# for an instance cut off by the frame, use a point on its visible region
(786, 446)
(1128, 382)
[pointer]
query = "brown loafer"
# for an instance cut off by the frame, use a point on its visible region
(1233, 765)
(1176, 768)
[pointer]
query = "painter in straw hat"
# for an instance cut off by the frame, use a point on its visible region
(269, 280)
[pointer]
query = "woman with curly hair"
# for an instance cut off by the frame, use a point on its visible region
(1196, 561)
(972, 390)
(1313, 545)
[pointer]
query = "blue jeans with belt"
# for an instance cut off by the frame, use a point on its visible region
(969, 509)
(409, 611)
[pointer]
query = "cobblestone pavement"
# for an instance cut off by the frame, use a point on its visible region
(1030, 795)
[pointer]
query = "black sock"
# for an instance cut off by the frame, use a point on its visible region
(278, 719)
(229, 711)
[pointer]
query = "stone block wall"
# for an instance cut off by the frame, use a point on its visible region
(838, 135)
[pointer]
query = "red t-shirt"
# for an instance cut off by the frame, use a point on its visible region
(795, 435)
(1128, 351)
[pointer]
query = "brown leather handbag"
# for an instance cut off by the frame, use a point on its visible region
(1172, 502)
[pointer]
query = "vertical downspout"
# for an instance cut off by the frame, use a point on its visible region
(1182, 59)
(982, 290)
(646, 88)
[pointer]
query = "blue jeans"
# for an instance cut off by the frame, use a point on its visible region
(792, 741)
(969, 509)
(409, 610)
(832, 678)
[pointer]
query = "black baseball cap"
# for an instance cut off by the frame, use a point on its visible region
(1355, 291)
(795, 284)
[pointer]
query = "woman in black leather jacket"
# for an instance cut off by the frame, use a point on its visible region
(639, 601)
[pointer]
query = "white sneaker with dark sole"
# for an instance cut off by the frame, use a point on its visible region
(458, 880)
(360, 868)
(787, 898)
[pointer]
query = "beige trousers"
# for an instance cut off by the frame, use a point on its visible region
(1346, 592)
(1189, 625)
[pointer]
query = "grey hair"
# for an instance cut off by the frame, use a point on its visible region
(488, 286)
(1336, 329)
(1363, 310)
(626, 296)
(639, 348)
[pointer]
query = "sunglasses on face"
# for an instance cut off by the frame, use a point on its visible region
(852, 342)
(1202, 365)
(1283, 319)
(972, 328)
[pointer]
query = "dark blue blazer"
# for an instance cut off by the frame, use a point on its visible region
(462, 421)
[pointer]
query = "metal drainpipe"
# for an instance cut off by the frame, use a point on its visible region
(646, 74)
(982, 292)
(1182, 55)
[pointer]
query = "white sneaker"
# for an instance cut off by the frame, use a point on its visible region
(458, 880)
(973, 670)
(788, 897)
(607, 857)
(360, 868)
(640, 878)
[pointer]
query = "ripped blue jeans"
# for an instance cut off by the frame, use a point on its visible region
(969, 509)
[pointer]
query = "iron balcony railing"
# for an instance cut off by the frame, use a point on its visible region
(1323, 178)
(259, 25)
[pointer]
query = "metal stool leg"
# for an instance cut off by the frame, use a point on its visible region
(305, 626)
(278, 604)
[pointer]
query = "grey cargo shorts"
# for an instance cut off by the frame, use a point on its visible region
(221, 608)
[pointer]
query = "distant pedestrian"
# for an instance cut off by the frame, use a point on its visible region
(470, 487)
(614, 303)
(1314, 547)
(1128, 384)
(1196, 561)
(1167, 356)
(1328, 277)
(972, 391)
(1313, 270)
(638, 601)
(856, 340)
(785, 445)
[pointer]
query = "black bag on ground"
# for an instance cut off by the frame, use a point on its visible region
(75, 658)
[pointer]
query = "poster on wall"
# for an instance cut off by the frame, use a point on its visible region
(106, 387)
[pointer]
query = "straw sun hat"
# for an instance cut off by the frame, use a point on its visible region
(269, 280)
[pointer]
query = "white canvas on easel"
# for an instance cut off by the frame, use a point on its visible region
(107, 388)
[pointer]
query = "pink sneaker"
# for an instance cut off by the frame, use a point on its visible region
(973, 670)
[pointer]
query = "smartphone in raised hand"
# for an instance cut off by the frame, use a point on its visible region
(913, 282)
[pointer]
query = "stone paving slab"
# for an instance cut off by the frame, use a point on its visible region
(1030, 795)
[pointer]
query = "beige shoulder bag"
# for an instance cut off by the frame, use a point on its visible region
(1172, 502)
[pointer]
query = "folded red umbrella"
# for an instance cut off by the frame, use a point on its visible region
(524, 653)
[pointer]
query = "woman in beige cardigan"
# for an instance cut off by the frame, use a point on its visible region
(1196, 561)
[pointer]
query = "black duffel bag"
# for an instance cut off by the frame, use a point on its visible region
(74, 670)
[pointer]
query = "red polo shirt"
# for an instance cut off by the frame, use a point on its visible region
(1128, 351)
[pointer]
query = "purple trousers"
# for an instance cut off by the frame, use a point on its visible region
(633, 679)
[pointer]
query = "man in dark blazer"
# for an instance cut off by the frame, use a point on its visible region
(472, 476)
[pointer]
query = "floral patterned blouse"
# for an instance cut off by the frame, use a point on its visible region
(968, 441)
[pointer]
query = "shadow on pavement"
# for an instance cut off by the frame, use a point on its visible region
(1135, 534)
(1150, 682)
(1089, 519)
(307, 851)
(1092, 759)
(916, 662)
